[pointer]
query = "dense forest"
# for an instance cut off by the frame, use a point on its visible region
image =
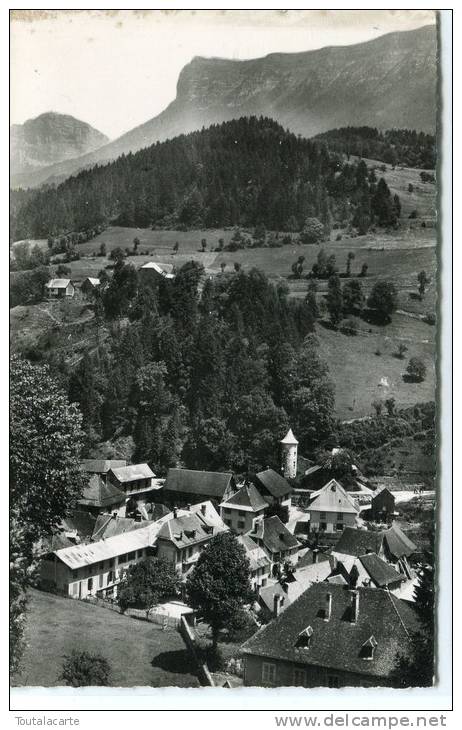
(394, 146)
(205, 372)
(243, 172)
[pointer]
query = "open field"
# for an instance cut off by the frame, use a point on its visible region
(357, 370)
(140, 653)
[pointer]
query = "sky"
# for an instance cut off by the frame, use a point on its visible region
(117, 69)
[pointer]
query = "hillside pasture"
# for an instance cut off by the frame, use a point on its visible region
(140, 653)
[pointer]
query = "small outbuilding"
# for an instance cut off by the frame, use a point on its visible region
(60, 288)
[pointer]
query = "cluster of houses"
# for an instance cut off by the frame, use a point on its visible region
(334, 598)
(64, 288)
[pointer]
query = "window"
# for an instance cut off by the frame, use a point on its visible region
(333, 681)
(299, 678)
(323, 525)
(241, 524)
(339, 516)
(227, 511)
(74, 574)
(339, 526)
(268, 673)
(111, 563)
(322, 516)
(241, 513)
(131, 556)
(90, 584)
(122, 559)
(227, 522)
(110, 576)
(139, 554)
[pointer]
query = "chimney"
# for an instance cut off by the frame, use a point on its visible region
(175, 513)
(188, 507)
(328, 608)
(203, 506)
(315, 556)
(354, 606)
(276, 605)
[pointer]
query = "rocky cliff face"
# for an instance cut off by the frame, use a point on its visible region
(50, 138)
(387, 82)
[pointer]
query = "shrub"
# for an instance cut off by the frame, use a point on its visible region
(349, 327)
(82, 669)
(416, 370)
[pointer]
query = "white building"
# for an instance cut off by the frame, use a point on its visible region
(332, 509)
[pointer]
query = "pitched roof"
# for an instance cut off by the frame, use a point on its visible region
(246, 498)
(333, 498)
(132, 472)
(207, 483)
(309, 559)
(162, 269)
(255, 554)
(189, 529)
(93, 281)
(99, 493)
(101, 466)
(358, 542)
(77, 556)
(381, 573)
(274, 535)
(338, 643)
(289, 438)
(80, 521)
(58, 283)
(398, 543)
(274, 483)
(108, 526)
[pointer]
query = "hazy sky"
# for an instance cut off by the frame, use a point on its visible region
(117, 69)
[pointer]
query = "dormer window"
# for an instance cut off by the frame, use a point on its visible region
(304, 638)
(368, 648)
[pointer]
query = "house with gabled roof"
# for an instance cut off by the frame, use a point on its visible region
(273, 487)
(259, 563)
(89, 285)
(181, 539)
(278, 543)
(186, 486)
(332, 509)
(164, 271)
(243, 509)
(60, 288)
(136, 481)
(101, 466)
(392, 545)
(332, 636)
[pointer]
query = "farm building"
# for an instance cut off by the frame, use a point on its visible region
(186, 486)
(135, 480)
(89, 285)
(101, 496)
(153, 268)
(102, 466)
(382, 505)
(273, 487)
(60, 288)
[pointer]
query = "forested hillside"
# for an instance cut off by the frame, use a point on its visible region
(242, 172)
(212, 381)
(394, 146)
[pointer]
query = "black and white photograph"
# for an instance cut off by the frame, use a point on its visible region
(225, 308)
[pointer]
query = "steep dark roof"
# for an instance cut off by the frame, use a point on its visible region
(338, 643)
(81, 521)
(156, 511)
(247, 496)
(274, 535)
(308, 559)
(101, 466)
(274, 483)
(203, 483)
(358, 542)
(380, 572)
(97, 493)
(398, 543)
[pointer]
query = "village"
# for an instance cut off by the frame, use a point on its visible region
(332, 573)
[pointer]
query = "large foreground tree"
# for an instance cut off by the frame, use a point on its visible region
(45, 475)
(219, 584)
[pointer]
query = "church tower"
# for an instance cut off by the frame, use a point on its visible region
(289, 455)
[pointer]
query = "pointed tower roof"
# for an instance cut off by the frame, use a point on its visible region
(289, 438)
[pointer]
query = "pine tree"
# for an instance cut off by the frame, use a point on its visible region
(334, 300)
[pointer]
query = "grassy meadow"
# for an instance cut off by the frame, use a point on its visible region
(140, 653)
